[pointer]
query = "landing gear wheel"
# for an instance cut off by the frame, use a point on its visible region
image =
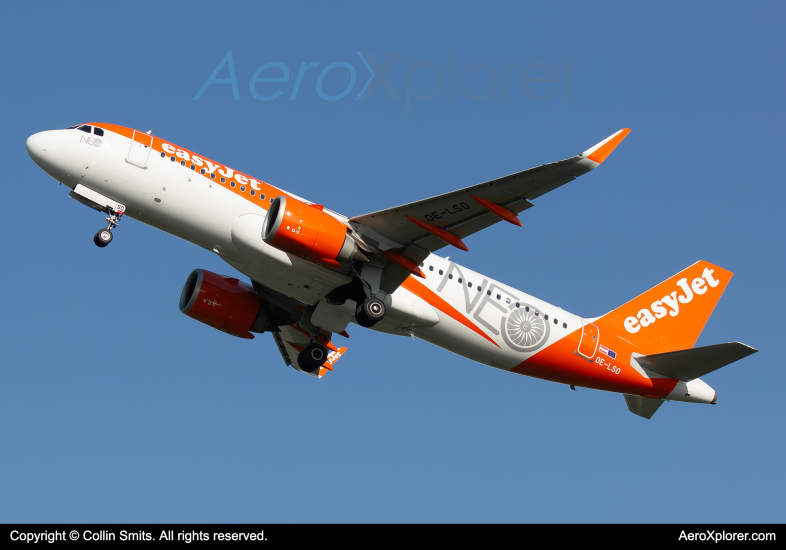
(311, 358)
(370, 312)
(103, 238)
(362, 320)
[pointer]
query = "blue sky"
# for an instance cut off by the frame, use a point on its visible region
(116, 407)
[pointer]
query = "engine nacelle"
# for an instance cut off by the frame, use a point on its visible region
(306, 231)
(224, 303)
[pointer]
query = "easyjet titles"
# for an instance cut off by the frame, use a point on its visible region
(645, 317)
(208, 168)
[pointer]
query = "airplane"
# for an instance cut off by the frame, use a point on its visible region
(312, 271)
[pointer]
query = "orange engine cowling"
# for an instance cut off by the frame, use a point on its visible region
(224, 303)
(306, 231)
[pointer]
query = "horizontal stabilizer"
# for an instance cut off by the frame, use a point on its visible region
(688, 364)
(642, 406)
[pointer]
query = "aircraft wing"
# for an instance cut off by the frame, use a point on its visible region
(291, 341)
(416, 229)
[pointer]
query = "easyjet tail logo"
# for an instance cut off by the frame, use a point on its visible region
(670, 304)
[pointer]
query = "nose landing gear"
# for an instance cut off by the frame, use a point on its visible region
(104, 237)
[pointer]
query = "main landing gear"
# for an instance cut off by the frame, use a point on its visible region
(313, 357)
(370, 312)
(104, 237)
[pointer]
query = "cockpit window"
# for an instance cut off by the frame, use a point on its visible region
(98, 131)
(85, 128)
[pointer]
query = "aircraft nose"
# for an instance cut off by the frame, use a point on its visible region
(37, 145)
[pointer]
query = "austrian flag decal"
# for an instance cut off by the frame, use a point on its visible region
(607, 351)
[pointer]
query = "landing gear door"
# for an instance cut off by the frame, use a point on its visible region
(590, 337)
(140, 149)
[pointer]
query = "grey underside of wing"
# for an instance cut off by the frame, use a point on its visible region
(458, 213)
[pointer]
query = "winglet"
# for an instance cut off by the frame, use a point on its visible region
(599, 152)
(333, 356)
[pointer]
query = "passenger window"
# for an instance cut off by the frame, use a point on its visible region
(231, 183)
(459, 280)
(193, 167)
(450, 276)
(212, 176)
(440, 272)
(223, 180)
(261, 197)
(546, 317)
(253, 192)
(555, 321)
(431, 268)
(172, 158)
(564, 325)
(242, 187)
(423, 264)
(526, 308)
(85, 128)
(163, 155)
(98, 131)
(182, 163)
(488, 293)
(202, 171)
(469, 285)
(498, 296)
(518, 305)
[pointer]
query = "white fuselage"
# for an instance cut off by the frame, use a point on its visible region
(223, 211)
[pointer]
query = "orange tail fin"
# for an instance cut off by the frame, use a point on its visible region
(671, 315)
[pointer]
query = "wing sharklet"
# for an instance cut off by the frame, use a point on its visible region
(599, 152)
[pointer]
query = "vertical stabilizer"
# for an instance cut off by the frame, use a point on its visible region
(671, 315)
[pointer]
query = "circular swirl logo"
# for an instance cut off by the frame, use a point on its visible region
(97, 142)
(525, 329)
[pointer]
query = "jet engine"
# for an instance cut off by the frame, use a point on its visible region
(224, 303)
(306, 231)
